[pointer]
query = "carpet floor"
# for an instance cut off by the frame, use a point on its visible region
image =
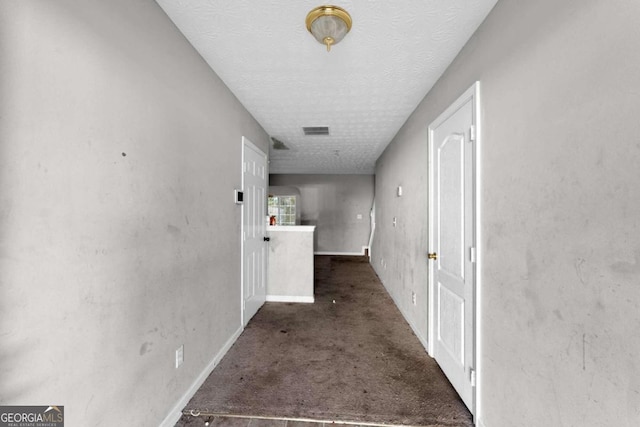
(349, 357)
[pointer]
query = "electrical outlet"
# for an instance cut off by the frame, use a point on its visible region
(179, 356)
(413, 298)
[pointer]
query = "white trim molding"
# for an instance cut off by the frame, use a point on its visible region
(479, 410)
(416, 331)
(176, 412)
(364, 251)
(287, 298)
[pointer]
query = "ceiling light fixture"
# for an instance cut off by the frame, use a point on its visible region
(328, 24)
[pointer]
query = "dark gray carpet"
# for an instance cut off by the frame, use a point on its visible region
(353, 360)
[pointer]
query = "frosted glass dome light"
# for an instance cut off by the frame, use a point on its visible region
(328, 24)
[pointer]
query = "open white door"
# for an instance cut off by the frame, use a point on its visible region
(254, 246)
(452, 140)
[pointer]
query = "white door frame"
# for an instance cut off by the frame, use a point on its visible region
(473, 94)
(247, 142)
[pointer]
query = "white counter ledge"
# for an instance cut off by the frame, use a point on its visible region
(291, 228)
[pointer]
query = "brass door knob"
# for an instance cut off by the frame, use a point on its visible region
(432, 255)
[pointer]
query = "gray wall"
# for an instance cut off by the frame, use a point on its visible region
(560, 169)
(109, 262)
(332, 203)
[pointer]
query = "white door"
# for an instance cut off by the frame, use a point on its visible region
(452, 241)
(254, 247)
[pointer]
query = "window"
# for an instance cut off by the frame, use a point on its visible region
(283, 208)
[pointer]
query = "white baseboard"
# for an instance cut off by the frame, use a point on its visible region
(423, 341)
(339, 253)
(286, 298)
(364, 249)
(176, 411)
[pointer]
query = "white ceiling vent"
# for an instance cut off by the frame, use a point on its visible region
(316, 130)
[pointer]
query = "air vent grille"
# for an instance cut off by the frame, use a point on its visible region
(316, 130)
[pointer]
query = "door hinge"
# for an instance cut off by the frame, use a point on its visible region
(472, 254)
(472, 377)
(472, 133)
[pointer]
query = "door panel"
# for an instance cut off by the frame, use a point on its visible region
(452, 238)
(451, 219)
(254, 248)
(451, 323)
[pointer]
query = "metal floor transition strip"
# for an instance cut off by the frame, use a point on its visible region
(208, 419)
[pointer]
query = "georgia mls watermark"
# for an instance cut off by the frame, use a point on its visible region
(31, 416)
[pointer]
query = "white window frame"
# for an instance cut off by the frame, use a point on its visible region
(282, 202)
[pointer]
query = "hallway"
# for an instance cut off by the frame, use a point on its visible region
(349, 357)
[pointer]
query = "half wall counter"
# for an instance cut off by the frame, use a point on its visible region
(290, 262)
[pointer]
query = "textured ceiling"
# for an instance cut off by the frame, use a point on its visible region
(363, 90)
